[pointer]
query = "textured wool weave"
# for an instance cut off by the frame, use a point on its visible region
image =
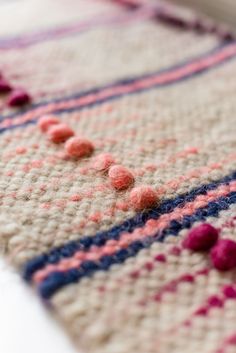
(154, 86)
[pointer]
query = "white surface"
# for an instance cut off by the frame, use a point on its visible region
(25, 325)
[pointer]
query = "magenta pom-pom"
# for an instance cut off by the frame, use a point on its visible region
(5, 86)
(18, 97)
(201, 238)
(223, 255)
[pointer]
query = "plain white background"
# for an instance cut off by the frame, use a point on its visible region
(25, 325)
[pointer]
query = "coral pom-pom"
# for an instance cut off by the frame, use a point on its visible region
(143, 197)
(18, 97)
(59, 133)
(79, 147)
(120, 177)
(103, 161)
(46, 121)
(201, 238)
(223, 255)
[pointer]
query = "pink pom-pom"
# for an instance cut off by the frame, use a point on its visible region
(143, 197)
(5, 87)
(201, 238)
(59, 133)
(120, 177)
(103, 161)
(47, 121)
(79, 147)
(18, 97)
(223, 255)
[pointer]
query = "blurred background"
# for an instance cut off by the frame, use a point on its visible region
(222, 10)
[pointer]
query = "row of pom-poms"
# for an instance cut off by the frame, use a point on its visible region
(202, 238)
(16, 96)
(205, 237)
(120, 177)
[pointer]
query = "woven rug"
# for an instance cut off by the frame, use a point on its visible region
(152, 87)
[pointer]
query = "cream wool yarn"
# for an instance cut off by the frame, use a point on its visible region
(152, 89)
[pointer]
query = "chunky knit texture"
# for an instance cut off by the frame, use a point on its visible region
(152, 88)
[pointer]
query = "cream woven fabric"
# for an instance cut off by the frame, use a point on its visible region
(153, 86)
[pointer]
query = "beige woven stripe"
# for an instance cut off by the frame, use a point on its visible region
(175, 120)
(141, 44)
(114, 321)
(31, 16)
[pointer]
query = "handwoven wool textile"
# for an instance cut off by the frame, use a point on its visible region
(154, 86)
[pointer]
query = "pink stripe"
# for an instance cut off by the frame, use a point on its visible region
(163, 78)
(155, 260)
(151, 227)
(57, 33)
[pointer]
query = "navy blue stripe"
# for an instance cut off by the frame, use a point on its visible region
(100, 238)
(13, 127)
(124, 82)
(57, 280)
(110, 98)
